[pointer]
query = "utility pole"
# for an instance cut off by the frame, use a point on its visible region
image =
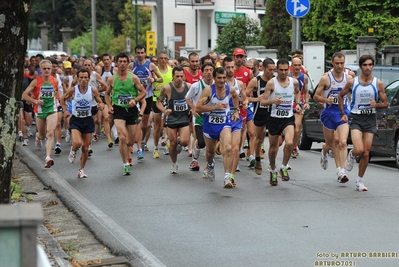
(136, 20)
(93, 27)
(160, 27)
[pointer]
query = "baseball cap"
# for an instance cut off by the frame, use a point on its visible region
(239, 51)
(67, 65)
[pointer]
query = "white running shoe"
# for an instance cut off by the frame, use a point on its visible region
(174, 169)
(196, 150)
(360, 186)
(349, 162)
(81, 174)
(38, 143)
(323, 161)
(72, 156)
(25, 142)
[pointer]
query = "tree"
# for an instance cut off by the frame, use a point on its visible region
(338, 24)
(129, 21)
(104, 36)
(276, 28)
(239, 32)
(14, 21)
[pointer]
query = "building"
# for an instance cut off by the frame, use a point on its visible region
(199, 22)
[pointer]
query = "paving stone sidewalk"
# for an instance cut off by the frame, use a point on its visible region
(66, 241)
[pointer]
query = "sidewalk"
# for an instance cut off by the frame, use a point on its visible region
(66, 241)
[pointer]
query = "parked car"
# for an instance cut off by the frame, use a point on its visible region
(386, 139)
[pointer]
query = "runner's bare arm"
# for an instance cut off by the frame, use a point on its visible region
(110, 85)
(268, 91)
(100, 80)
(96, 95)
(27, 93)
(139, 87)
(204, 99)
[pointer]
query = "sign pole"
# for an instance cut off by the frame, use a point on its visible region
(297, 33)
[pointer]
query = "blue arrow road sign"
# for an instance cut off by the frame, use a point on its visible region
(297, 8)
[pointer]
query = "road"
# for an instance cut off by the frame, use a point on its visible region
(185, 220)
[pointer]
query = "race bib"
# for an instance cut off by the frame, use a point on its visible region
(124, 99)
(83, 112)
(216, 118)
(47, 93)
(180, 105)
(282, 111)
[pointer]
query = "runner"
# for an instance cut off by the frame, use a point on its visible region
(214, 101)
(148, 73)
(280, 93)
(303, 88)
(368, 93)
(236, 126)
(192, 97)
(166, 72)
(256, 88)
(81, 121)
(330, 86)
(45, 99)
(177, 114)
(126, 91)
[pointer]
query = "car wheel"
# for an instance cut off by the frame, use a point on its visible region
(304, 143)
(397, 151)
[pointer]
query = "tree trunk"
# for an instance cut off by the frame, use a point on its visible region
(14, 21)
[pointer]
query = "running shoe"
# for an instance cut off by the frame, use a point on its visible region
(360, 186)
(185, 148)
(262, 154)
(323, 161)
(233, 182)
(350, 160)
(258, 167)
(140, 154)
(38, 143)
(116, 141)
(25, 142)
(189, 154)
(343, 178)
(194, 165)
(331, 153)
(211, 172)
(90, 151)
(174, 169)
(57, 149)
(163, 141)
(130, 161)
(95, 138)
(179, 148)
(28, 131)
(49, 162)
(72, 156)
(273, 178)
(205, 172)
(251, 160)
(196, 150)
(20, 136)
(81, 174)
(68, 137)
(242, 155)
(245, 143)
(238, 168)
(156, 154)
(126, 170)
(166, 151)
(288, 167)
(110, 143)
(227, 184)
(284, 174)
(295, 152)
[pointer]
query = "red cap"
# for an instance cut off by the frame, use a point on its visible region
(239, 51)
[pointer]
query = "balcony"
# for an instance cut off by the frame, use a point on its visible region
(250, 4)
(198, 4)
(145, 2)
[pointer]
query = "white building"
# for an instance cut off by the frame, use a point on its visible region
(199, 22)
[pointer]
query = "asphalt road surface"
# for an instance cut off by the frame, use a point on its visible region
(163, 219)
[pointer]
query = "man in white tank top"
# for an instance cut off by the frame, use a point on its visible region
(281, 92)
(368, 93)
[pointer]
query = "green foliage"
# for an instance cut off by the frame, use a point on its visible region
(239, 32)
(104, 36)
(338, 23)
(17, 192)
(276, 28)
(129, 22)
